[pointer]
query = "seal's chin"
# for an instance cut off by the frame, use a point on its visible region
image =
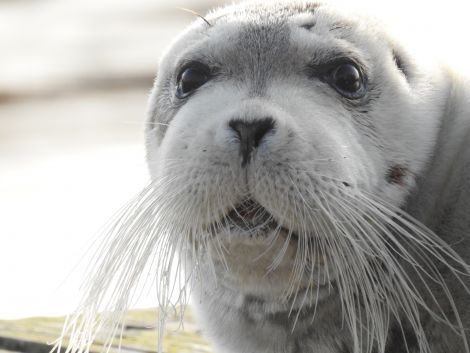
(253, 253)
(251, 219)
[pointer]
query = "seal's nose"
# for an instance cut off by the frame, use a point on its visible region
(250, 134)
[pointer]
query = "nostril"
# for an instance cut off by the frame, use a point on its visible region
(253, 130)
(250, 134)
(262, 128)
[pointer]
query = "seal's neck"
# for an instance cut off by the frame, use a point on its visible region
(439, 186)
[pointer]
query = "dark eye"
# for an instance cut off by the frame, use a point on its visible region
(190, 78)
(347, 79)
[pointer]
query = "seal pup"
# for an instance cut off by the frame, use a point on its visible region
(310, 187)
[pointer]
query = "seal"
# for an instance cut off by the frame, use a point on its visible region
(310, 187)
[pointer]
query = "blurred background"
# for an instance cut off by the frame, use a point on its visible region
(74, 80)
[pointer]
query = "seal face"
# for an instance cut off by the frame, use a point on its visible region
(312, 180)
(290, 141)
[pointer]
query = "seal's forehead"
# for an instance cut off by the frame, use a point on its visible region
(304, 14)
(263, 30)
(258, 42)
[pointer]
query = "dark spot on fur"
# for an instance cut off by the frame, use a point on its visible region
(336, 27)
(252, 300)
(346, 184)
(399, 63)
(308, 26)
(396, 174)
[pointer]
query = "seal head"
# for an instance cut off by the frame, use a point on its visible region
(288, 138)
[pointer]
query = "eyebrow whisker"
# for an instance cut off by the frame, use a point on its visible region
(195, 14)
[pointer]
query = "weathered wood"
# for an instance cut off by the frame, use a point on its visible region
(18, 345)
(35, 335)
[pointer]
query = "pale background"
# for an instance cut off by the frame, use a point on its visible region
(74, 79)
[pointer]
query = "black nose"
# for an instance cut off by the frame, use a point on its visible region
(250, 134)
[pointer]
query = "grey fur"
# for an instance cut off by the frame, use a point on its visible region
(359, 236)
(252, 46)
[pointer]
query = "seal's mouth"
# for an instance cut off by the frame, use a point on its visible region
(251, 217)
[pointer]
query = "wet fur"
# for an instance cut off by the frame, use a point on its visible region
(373, 196)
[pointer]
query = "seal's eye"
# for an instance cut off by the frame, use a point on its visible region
(190, 78)
(347, 79)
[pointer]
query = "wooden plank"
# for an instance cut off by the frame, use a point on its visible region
(35, 335)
